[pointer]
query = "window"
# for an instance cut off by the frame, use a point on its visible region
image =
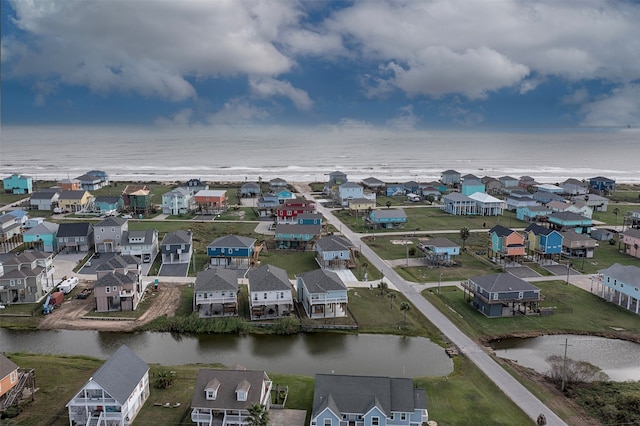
(375, 421)
(107, 290)
(98, 237)
(265, 296)
(327, 422)
(403, 416)
(12, 377)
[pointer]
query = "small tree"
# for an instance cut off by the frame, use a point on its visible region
(258, 415)
(573, 371)
(382, 286)
(391, 296)
(388, 203)
(164, 379)
(464, 235)
(404, 307)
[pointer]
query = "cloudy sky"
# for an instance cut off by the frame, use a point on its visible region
(398, 63)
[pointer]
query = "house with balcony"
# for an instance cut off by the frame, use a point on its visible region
(533, 213)
(277, 184)
(343, 400)
(349, 191)
(471, 186)
(632, 219)
(386, 218)
(108, 204)
(440, 251)
(620, 284)
(569, 221)
(231, 251)
(289, 236)
(107, 234)
(268, 205)
(90, 182)
(18, 184)
(250, 189)
(69, 184)
(334, 252)
(577, 207)
(372, 183)
(75, 237)
(458, 204)
(10, 232)
(602, 185)
(527, 182)
(487, 205)
(45, 199)
(310, 219)
(543, 242)
(118, 286)
(574, 187)
(270, 293)
(508, 182)
(178, 201)
(8, 375)
(224, 397)
(288, 211)
(631, 240)
(394, 189)
(427, 191)
(546, 197)
(25, 277)
(76, 201)
(450, 177)
(506, 244)
(42, 237)
(360, 206)
(502, 295)
(215, 293)
(114, 394)
(492, 185)
(578, 245)
(322, 294)
(140, 243)
(336, 178)
(195, 185)
(130, 200)
(211, 201)
(596, 202)
(177, 247)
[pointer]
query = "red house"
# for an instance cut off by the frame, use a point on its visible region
(289, 211)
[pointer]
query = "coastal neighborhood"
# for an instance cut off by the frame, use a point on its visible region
(296, 258)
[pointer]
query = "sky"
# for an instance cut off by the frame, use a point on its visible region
(396, 64)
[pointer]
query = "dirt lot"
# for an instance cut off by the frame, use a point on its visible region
(71, 315)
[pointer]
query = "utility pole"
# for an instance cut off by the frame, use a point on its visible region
(564, 364)
(568, 269)
(439, 280)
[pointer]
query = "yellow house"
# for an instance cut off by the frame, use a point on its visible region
(8, 374)
(74, 201)
(361, 205)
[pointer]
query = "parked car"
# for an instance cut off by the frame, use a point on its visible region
(127, 216)
(146, 258)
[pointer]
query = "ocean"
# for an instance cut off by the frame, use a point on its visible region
(306, 155)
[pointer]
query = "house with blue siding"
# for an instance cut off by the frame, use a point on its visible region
(620, 284)
(277, 184)
(284, 195)
(502, 295)
(90, 182)
(387, 218)
(108, 203)
(322, 294)
(450, 177)
(471, 186)
(334, 252)
(18, 184)
(506, 244)
(367, 401)
(293, 235)
(573, 186)
(532, 213)
(543, 242)
(440, 251)
(232, 251)
(546, 197)
(42, 237)
(268, 206)
(602, 184)
(349, 191)
(394, 189)
(411, 187)
(508, 182)
(178, 201)
(177, 247)
(563, 221)
(310, 219)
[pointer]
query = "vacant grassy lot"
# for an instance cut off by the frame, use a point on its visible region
(604, 256)
(610, 218)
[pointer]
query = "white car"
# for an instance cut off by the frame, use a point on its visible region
(127, 216)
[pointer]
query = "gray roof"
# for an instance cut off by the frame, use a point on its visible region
(501, 231)
(6, 366)
(74, 229)
(228, 381)
(148, 236)
(456, 196)
(72, 194)
(371, 181)
(440, 242)
(234, 241)
(288, 228)
(389, 213)
(119, 262)
(502, 282)
(177, 237)
(216, 279)
(350, 185)
(334, 243)
(44, 194)
(634, 233)
(570, 236)
(628, 274)
(178, 192)
(250, 185)
(120, 375)
(269, 278)
(116, 279)
(538, 229)
(358, 394)
(322, 281)
(568, 216)
(43, 228)
(112, 221)
(109, 199)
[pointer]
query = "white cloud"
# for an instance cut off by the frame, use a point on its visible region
(269, 87)
(180, 118)
(405, 119)
(576, 98)
(43, 89)
(620, 108)
(461, 115)
(237, 111)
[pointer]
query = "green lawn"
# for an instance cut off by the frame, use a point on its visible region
(468, 265)
(604, 256)
(612, 219)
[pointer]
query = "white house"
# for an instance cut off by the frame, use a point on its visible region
(216, 293)
(178, 201)
(270, 293)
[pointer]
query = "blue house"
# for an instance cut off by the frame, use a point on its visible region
(334, 252)
(471, 186)
(387, 218)
(108, 203)
(563, 221)
(501, 295)
(543, 242)
(393, 189)
(440, 251)
(285, 194)
(602, 184)
(289, 235)
(309, 219)
(349, 191)
(412, 187)
(367, 401)
(268, 205)
(620, 284)
(532, 213)
(18, 184)
(231, 251)
(42, 237)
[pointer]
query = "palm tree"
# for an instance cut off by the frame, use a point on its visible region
(404, 307)
(382, 286)
(464, 234)
(258, 415)
(388, 203)
(616, 212)
(391, 296)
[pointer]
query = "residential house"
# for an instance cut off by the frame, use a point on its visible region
(69, 185)
(440, 251)
(140, 202)
(310, 219)
(42, 237)
(140, 243)
(602, 234)
(631, 241)
(45, 199)
(277, 184)
(458, 204)
(515, 202)
(10, 231)
(597, 202)
(546, 197)
(211, 201)
(509, 182)
(543, 242)
(492, 185)
(178, 201)
(620, 284)
(224, 397)
(215, 293)
(471, 186)
(526, 182)
(574, 187)
(75, 201)
(75, 237)
(487, 205)
(602, 185)
(268, 205)
(632, 219)
(411, 187)
(114, 394)
(337, 178)
(177, 247)
(577, 245)
(20, 215)
(289, 236)
(506, 244)
(195, 185)
(373, 184)
(450, 177)
(322, 294)
(25, 277)
(428, 191)
(270, 293)
(578, 208)
(349, 191)
(503, 295)
(90, 182)
(546, 187)
(107, 234)
(231, 251)
(18, 184)
(334, 252)
(570, 221)
(250, 189)
(118, 286)
(360, 206)
(394, 189)
(32, 222)
(469, 177)
(441, 187)
(8, 375)
(133, 189)
(367, 401)
(288, 211)
(284, 194)
(108, 204)
(100, 174)
(387, 218)
(533, 213)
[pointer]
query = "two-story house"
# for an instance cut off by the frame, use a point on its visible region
(108, 204)
(574, 187)
(620, 284)
(334, 252)
(118, 286)
(8, 375)
(348, 191)
(10, 232)
(565, 221)
(75, 201)
(277, 184)
(177, 247)
(18, 184)
(140, 243)
(387, 218)
(90, 182)
(631, 241)
(487, 205)
(577, 245)
(211, 201)
(42, 237)
(450, 177)
(45, 199)
(457, 204)
(250, 189)
(440, 251)
(131, 200)
(108, 234)
(114, 394)
(195, 185)
(75, 237)
(602, 185)
(501, 295)
(543, 242)
(25, 277)
(231, 251)
(215, 293)
(471, 186)
(270, 293)
(506, 244)
(178, 201)
(288, 211)
(322, 294)
(289, 236)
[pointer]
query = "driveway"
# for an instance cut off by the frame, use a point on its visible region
(174, 270)
(523, 272)
(64, 264)
(560, 270)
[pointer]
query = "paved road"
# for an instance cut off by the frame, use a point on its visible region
(528, 402)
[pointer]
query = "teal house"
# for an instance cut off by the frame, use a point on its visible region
(18, 184)
(42, 237)
(292, 236)
(471, 186)
(564, 221)
(108, 203)
(387, 218)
